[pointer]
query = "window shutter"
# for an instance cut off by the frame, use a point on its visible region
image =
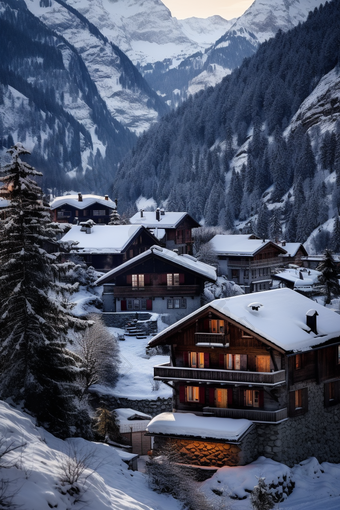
(206, 325)
(163, 278)
(181, 278)
(147, 279)
(230, 397)
(149, 304)
(182, 394)
(261, 398)
(243, 362)
(206, 360)
(202, 394)
(123, 305)
(212, 397)
(129, 279)
(221, 361)
(186, 359)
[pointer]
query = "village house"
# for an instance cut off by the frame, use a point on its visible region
(80, 208)
(294, 253)
(252, 376)
(247, 260)
(105, 247)
(173, 229)
(158, 280)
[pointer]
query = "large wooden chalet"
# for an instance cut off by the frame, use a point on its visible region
(157, 280)
(252, 375)
(173, 229)
(80, 208)
(248, 260)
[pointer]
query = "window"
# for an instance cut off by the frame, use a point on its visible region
(98, 212)
(252, 398)
(63, 214)
(177, 303)
(192, 394)
(298, 399)
(137, 281)
(298, 361)
(235, 361)
(196, 359)
(172, 279)
(216, 326)
(332, 393)
(245, 334)
(136, 304)
(298, 402)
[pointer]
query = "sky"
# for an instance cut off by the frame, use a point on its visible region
(228, 9)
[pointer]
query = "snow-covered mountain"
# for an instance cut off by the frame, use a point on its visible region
(260, 22)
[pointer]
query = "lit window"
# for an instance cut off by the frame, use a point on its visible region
(237, 362)
(137, 281)
(216, 326)
(298, 399)
(229, 362)
(252, 398)
(193, 359)
(298, 359)
(172, 279)
(193, 393)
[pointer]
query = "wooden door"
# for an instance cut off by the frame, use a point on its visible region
(221, 397)
(262, 363)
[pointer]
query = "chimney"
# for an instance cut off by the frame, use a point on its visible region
(106, 197)
(162, 212)
(283, 243)
(141, 213)
(311, 320)
(158, 214)
(80, 197)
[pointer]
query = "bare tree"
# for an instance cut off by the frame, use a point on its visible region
(98, 351)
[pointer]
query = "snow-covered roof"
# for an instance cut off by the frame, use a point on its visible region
(300, 277)
(281, 319)
(86, 201)
(292, 249)
(243, 244)
(131, 420)
(185, 261)
(102, 239)
(166, 220)
(187, 424)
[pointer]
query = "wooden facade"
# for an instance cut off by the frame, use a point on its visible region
(218, 367)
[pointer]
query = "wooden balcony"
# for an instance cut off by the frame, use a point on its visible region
(211, 375)
(257, 415)
(157, 291)
(211, 340)
(252, 264)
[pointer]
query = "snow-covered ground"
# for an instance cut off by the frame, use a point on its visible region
(33, 476)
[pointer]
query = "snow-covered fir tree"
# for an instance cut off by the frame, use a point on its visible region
(36, 368)
(329, 277)
(260, 498)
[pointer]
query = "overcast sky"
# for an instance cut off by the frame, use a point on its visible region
(228, 9)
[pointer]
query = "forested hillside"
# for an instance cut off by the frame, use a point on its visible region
(232, 152)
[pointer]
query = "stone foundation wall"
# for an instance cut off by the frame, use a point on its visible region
(314, 434)
(201, 453)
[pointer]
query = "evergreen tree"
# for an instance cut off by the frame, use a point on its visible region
(36, 369)
(275, 228)
(262, 224)
(329, 276)
(260, 497)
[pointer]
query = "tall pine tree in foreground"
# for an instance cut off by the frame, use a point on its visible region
(329, 276)
(35, 367)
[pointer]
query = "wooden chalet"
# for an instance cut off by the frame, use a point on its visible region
(105, 247)
(173, 229)
(266, 366)
(158, 280)
(80, 208)
(247, 260)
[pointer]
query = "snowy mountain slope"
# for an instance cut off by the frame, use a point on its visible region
(128, 99)
(260, 22)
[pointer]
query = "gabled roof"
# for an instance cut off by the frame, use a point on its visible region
(166, 220)
(243, 244)
(103, 238)
(293, 248)
(279, 319)
(183, 261)
(86, 201)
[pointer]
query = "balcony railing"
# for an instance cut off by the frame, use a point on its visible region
(168, 372)
(211, 339)
(157, 291)
(251, 264)
(257, 415)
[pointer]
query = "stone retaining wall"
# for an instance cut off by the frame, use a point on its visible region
(151, 407)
